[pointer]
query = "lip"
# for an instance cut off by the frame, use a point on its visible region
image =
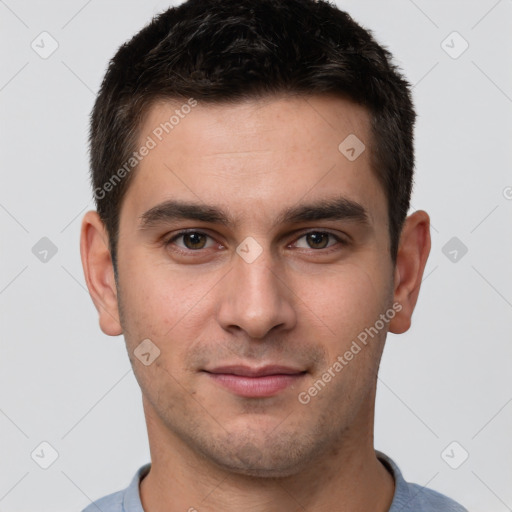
(249, 371)
(253, 382)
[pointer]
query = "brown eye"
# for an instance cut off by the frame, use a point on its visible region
(194, 240)
(317, 240)
(190, 240)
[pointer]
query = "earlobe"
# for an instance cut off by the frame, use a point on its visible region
(99, 272)
(411, 259)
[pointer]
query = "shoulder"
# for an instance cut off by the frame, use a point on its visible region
(411, 497)
(421, 499)
(111, 503)
(127, 500)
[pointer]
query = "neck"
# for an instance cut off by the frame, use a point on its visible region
(346, 478)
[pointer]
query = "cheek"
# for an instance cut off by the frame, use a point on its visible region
(159, 302)
(346, 298)
(160, 306)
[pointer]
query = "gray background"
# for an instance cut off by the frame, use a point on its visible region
(446, 380)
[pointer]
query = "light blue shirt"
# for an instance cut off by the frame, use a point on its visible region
(408, 497)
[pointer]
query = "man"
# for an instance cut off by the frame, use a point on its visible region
(252, 164)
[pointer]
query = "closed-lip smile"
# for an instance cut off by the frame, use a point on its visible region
(255, 382)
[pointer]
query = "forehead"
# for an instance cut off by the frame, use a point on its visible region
(254, 156)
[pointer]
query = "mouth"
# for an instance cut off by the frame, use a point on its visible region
(251, 382)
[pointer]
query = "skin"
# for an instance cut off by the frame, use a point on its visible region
(297, 304)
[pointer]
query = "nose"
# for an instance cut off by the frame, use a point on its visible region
(256, 297)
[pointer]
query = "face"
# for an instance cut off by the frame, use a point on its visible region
(284, 261)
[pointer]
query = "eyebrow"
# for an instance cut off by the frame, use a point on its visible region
(339, 208)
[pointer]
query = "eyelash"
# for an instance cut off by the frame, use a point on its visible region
(181, 233)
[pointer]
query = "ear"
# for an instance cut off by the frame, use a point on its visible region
(413, 252)
(99, 272)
